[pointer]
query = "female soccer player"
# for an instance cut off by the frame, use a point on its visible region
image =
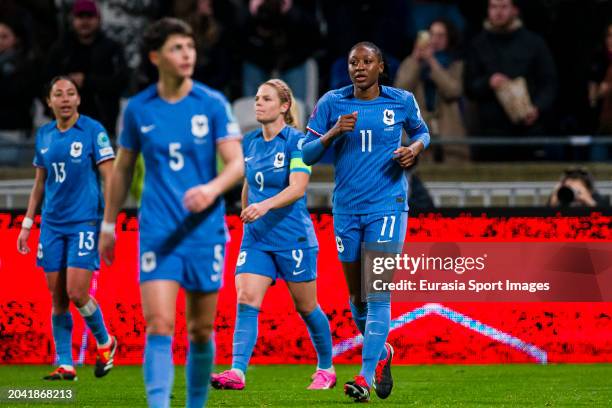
(279, 239)
(71, 153)
(179, 126)
(363, 122)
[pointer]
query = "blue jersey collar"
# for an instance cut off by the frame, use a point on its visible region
(347, 92)
(77, 125)
(283, 134)
(154, 93)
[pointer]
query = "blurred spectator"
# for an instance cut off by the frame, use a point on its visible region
(600, 94)
(351, 21)
(126, 20)
(214, 62)
(17, 82)
(434, 73)
(425, 12)
(504, 51)
(94, 62)
(576, 189)
(279, 35)
(386, 23)
(42, 28)
(600, 84)
(11, 10)
(418, 195)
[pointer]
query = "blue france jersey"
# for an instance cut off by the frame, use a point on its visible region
(73, 192)
(368, 180)
(178, 142)
(268, 165)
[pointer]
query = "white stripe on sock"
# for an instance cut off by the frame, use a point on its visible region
(89, 308)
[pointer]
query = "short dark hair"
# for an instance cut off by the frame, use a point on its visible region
(59, 78)
(579, 173)
(370, 45)
(453, 34)
(157, 34)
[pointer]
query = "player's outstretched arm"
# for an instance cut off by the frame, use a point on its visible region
(314, 148)
(36, 196)
(116, 189)
(298, 181)
(200, 197)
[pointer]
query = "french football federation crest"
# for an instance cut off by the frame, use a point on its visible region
(339, 244)
(279, 160)
(76, 149)
(148, 261)
(241, 258)
(39, 253)
(199, 125)
(389, 117)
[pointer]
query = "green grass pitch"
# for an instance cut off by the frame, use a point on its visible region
(567, 385)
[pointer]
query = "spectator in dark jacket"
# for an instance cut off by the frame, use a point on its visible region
(505, 50)
(95, 62)
(600, 94)
(214, 42)
(279, 35)
(17, 81)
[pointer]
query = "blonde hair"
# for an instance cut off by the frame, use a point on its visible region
(285, 95)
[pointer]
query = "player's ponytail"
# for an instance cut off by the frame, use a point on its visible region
(285, 95)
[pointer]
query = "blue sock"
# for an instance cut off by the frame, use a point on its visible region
(320, 334)
(93, 317)
(377, 329)
(62, 336)
(245, 336)
(200, 360)
(158, 370)
(359, 315)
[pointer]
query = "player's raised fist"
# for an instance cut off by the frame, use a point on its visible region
(345, 123)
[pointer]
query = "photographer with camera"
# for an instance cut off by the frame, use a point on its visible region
(576, 189)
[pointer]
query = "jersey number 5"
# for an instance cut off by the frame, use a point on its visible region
(177, 161)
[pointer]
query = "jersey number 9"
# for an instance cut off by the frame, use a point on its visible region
(259, 179)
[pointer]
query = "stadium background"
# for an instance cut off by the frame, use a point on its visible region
(458, 333)
(451, 333)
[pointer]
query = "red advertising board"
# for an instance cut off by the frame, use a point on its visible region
(434, 332)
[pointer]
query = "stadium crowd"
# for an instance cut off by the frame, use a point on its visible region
(458, 58)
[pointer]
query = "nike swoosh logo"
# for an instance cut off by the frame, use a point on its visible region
(296, 273)
(147, 129)
(246, 159)
(45, 150)
(83, 253)
(371, 333)
(382, 242)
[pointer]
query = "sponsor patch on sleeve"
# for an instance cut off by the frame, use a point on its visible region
(106, 151)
